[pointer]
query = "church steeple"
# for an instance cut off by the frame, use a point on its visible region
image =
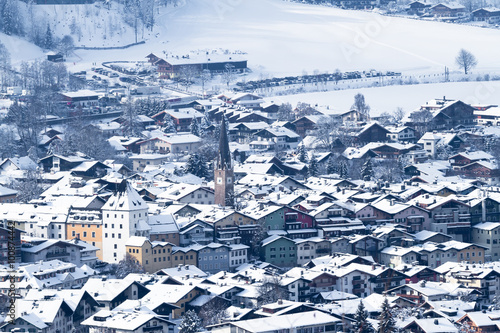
(223, 170)
(224, 154)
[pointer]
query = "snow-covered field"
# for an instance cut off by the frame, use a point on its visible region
(20, 49)
(284, 38)
(387, 99)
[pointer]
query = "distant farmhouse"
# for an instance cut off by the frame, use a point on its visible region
(172, 66)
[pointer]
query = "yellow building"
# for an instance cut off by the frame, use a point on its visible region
(472, 253)
(179, 295)
(185, 256)
(87, 226)
(153, 256)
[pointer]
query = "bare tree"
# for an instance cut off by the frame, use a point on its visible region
(466, 60)
(398, 114)
(128, 265)
(389, 170)
(271, 290)
(323, 132)
(66, 45)
(187, 74)
(304, 109)
(4, 63)
(422, 121)
(28, 120)
(30, 187)
(205, 76)
(213, 312)
(285, 112)
(360, 105)
(228, 74)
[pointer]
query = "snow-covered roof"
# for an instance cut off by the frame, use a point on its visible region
(434, 325)
(487, 226)
(284, 322)
(80, 93)
(125, 199)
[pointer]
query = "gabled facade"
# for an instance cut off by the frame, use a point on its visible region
(125, 214)
(279, 251)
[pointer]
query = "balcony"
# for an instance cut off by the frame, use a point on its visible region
(158, 328)
(57, 254)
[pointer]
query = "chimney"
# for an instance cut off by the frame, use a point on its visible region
(392, 202)
(483, 210)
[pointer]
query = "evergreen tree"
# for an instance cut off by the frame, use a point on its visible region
(367, 170)
(361, 324)
(49, 39)
(313, 166)
(331, 167)
(190, 323)
(205, 123)
(302, 154)
(197, 165)
(169, 126)
(387, 323)
(11, 20)
(342, 169)
(195, 127)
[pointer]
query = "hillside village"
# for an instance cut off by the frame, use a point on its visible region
(147, 188)
(302, 214)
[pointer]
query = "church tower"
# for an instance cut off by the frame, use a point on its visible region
(223, 171)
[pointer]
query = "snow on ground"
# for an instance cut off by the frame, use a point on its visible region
(283, 38)
(387, 99)
(90, 25)
(20, 50)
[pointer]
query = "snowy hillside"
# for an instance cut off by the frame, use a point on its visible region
(91, 25)
(288, 38)
(20, 49)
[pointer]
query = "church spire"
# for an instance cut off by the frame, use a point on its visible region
(224, 154)
(223, 171)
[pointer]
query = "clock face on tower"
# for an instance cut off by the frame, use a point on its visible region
(219, 180)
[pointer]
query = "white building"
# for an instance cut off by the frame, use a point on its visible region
(125, 214)
(238, 255)
(487, 234)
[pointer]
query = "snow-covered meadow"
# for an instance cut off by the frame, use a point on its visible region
(283, 38)
(387, 99)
